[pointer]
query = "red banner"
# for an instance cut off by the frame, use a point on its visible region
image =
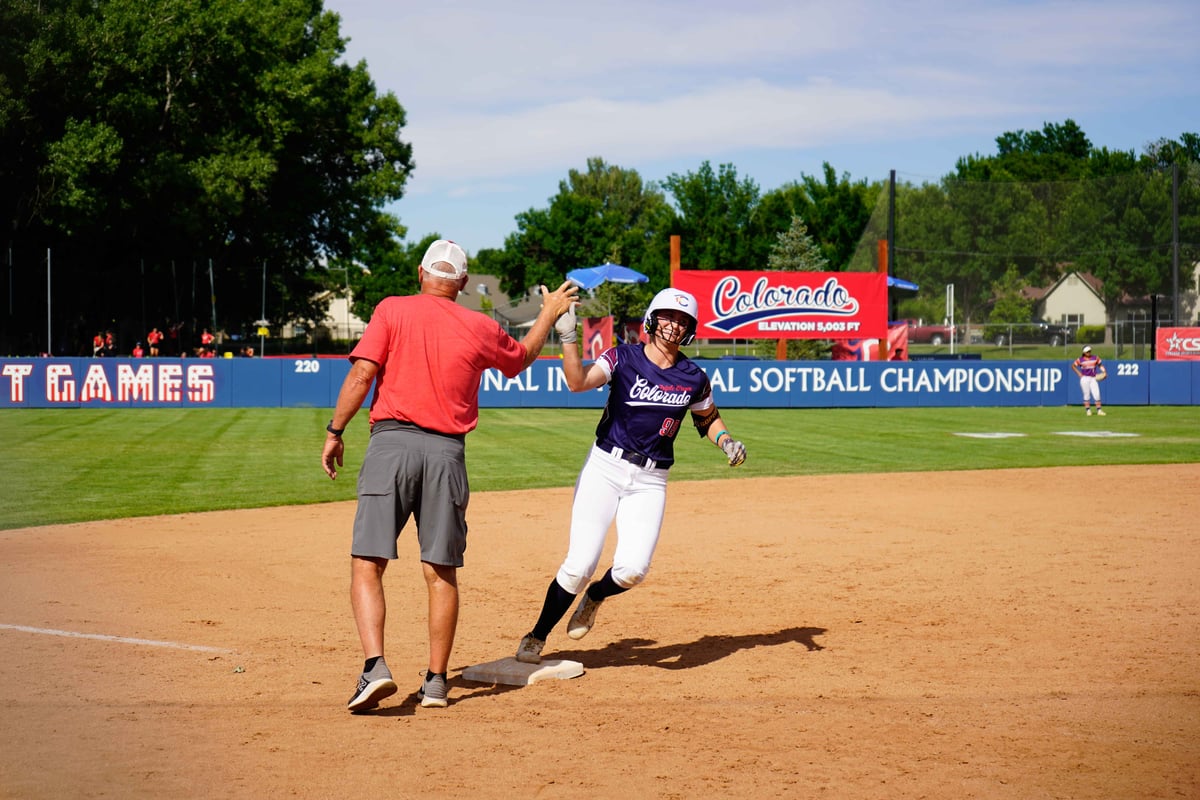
(634, 331)
(868, 349)
(597, 336)
(788, 305)
(1177, 344)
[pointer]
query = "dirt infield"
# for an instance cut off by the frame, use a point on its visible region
(1008, 634)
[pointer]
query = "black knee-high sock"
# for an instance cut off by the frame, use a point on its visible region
(558, 601)
(605, 587)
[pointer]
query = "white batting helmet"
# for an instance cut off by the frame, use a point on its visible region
(677, 300)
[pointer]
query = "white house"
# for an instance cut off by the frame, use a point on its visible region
(1075, 299)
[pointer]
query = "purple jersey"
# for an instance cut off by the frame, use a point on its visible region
(1088, 365)
(646, 404)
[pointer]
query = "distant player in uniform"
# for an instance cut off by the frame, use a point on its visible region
(1090, 371)
(652, 387)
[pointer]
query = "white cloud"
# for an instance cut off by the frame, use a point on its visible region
(496, 92)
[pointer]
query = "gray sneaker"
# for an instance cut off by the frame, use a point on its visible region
(530, 651)
(584, 617)
(370, 692)
(432, 693)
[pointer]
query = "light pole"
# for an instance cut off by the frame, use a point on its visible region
(262, 320)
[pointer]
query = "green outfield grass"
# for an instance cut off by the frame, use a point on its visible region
(85, 464)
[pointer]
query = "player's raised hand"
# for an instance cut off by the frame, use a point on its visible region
(562, 299)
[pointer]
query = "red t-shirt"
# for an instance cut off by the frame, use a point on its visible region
(431, 354)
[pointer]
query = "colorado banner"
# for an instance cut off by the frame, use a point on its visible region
(788, 305)
(1177, 344)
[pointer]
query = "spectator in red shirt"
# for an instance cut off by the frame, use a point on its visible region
(426, 355)
(153, 338)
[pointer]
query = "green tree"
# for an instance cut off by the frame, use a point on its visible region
(604, 214)
(141, 137)
(1059, 151)
(1011, 305)
(795, 251)
(717, 222)
(836, 210)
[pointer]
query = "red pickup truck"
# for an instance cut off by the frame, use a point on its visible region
(919, 333)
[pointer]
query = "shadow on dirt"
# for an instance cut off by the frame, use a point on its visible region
(630, 652)
(684, 655)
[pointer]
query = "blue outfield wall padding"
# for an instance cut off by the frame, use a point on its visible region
(315, 382)
(1170, 383)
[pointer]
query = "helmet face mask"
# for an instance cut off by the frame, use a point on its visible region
(667, 300)
(682, 333)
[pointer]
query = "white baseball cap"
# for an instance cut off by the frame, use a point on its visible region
(1087, 348)
(444, 251)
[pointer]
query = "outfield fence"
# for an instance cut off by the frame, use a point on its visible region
(314, 382)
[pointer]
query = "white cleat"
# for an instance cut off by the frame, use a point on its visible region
(584, 617)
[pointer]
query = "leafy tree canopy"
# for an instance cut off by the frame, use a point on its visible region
(143, 140)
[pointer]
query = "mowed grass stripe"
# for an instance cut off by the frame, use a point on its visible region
(84, 464)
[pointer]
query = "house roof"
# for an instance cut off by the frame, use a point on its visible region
(506, 309)
(1091, 281)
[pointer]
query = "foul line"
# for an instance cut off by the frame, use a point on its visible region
(122, 639)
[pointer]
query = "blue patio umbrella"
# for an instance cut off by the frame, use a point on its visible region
(900, 283)
(591, 277)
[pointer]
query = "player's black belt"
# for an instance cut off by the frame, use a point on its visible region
(637, 459)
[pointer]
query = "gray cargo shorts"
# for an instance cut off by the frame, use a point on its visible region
(408, 471)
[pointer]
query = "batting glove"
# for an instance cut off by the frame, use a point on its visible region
(565, 326)
(735, 451)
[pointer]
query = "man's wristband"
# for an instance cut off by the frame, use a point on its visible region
(717, 440)
(333, 430)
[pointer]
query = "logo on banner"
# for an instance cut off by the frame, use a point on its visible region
(1183, 346)
(1178, 344)
(772, 306)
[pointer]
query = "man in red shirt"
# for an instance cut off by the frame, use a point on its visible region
(426, 355)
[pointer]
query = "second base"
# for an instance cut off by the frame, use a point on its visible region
(511, 672)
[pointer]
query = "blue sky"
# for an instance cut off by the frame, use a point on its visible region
(504, 98)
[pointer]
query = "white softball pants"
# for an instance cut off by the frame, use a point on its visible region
(609, 488)
(1090, 388)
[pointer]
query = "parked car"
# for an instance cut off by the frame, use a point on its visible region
(1036, 332)
(919, 333)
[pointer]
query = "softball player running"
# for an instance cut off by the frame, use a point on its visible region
(652, 386)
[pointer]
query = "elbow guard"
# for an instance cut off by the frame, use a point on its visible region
(703, 420)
